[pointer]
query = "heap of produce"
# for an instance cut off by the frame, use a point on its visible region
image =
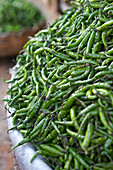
(62, 91)
(17, 14)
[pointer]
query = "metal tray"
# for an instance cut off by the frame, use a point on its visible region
(25, 152)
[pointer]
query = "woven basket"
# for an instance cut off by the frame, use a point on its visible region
(12, 43)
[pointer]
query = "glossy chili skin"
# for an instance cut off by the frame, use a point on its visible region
(62, 92)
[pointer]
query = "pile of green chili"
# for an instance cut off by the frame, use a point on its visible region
(62, 91)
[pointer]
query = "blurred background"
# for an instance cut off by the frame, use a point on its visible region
(15, 28)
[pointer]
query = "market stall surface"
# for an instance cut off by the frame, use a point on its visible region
(6, 162)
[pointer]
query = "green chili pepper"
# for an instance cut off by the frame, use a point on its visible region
(74, 134)
(90, 42)
(88, 135)
(110, 52)
(51, 149)
(104, 119)
(50, 136)
(106, 24)
(68, 162)
(78, 157)
(73, 117)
